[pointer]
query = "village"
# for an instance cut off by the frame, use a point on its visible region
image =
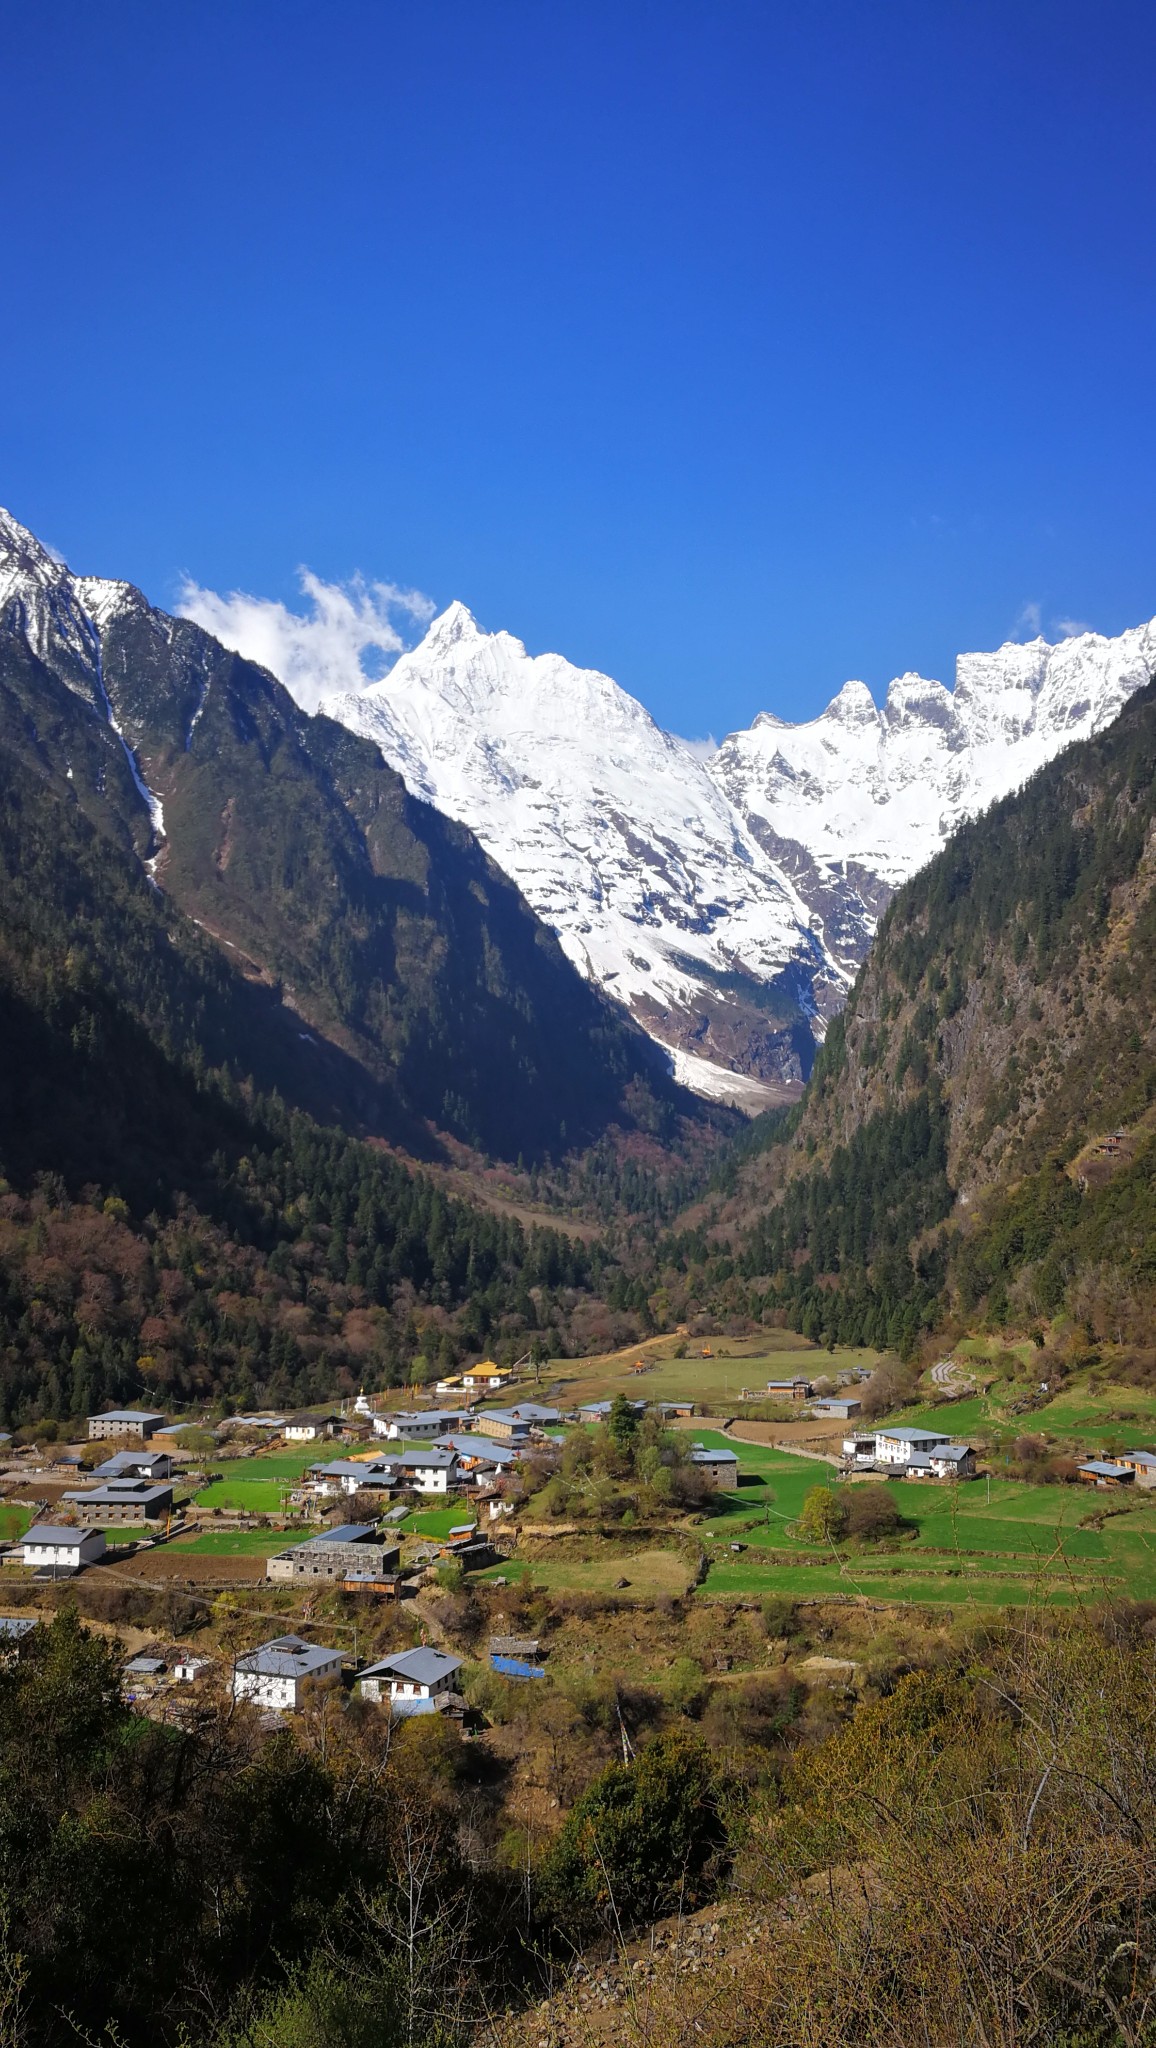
(395, 1499)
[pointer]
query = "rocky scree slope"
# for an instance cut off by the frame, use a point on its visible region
(1002, 1032)
(378, 930)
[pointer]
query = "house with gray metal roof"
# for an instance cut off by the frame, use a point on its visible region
(336, 1554)
(57, 1551)
(134, 1422)
(142, 1464)
(477, 1451)
(432, 1471)
(952, 1461)
(720, 1465)
(120, 1501)
(278, 1674)
(418, 1425)
(1102, 1472)
(414, 1682)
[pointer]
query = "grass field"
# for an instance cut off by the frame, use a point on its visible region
(961, 1544)
(1084, 1418)
(13, 1522)
(650, 1574)
(238, 1542)
(436, 1521)
(736, 1362)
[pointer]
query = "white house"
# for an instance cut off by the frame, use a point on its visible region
(418, 1425)
(952, 1461)
(432, 1471)
(415, 1682)
(900, 1446)
(354, 1475)
(50, 1548)
(276, 1675)
(860, 1450)
(306, 1429)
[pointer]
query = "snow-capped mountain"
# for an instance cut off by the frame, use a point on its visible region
(715, 898)
(854, 801)
(616, 834)
(726, 903)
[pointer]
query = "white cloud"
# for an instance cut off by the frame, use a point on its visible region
(1071, 628)
(1030, 622)
(345, 640)
(702, 749)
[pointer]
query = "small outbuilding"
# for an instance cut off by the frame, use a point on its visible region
(1101, 1472)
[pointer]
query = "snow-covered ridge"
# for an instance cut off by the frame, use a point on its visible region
(883, 787)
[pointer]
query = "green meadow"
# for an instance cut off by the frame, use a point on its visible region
(999, 1542)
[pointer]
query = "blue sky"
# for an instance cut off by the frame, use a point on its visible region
(736, 349)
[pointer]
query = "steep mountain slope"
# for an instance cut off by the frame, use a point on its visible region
(958, 1143)
(615, 833)
(380, 925)
(856, 800)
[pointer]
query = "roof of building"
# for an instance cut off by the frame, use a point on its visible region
(504, 1415)
(425, 1416)
(912, 1436)
(350, 1468)
(127, 1415)
(286, 1657)
(432, 1460)
(126, 1461)
(144, 1667)
(1140, 1457)
(347, 1532)
(478, 1447)
(602, 1407)
(701, 1456)
(953, 1451)
(52, 1532)
(533, 1411)
(310, 1421)
(14, 1625)
(421, 1667)
(120, 1491)
(1103, 1470)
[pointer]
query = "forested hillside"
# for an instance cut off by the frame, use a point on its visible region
(178, 1217)
(979, 1133)
(423, 988)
